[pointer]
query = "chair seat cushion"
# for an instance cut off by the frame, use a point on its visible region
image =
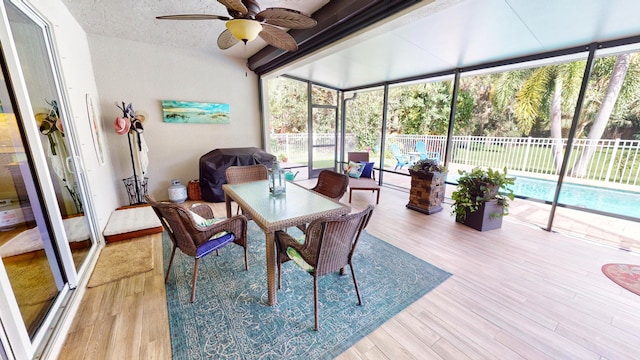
(127, 223)
(215, 243)
(208, 222)
(363, 183)
(204, 222)
(298, 260)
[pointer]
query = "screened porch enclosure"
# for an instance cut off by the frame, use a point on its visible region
(559, 128)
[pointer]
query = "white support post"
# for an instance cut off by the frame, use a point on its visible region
(612, 160)
(527, 149)
(468, 147)
(286, 146)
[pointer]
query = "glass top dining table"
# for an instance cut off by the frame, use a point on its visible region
(297, 206)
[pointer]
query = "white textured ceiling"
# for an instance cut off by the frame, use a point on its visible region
(438, 35)
(136, 20)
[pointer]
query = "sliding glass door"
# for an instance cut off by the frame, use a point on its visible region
(303, 126)
(322, 130)
(45, 236)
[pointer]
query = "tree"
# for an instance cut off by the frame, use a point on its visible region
(414, 107)
(475, 114)
(364, 119)
(546, 93)
(618, 75)
(425, 108)
(287, 105)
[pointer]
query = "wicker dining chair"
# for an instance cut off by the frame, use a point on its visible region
(331, 184)
(198, 235)
(327, 247)
(246, 173)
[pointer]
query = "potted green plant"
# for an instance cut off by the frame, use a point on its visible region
(427, 186)
(482, 197)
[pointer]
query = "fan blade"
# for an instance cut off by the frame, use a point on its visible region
(287, 18)
(226, 40)
(234, 5)
(193, 17)
(278, 38)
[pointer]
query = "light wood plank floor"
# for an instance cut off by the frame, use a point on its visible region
(517, 292)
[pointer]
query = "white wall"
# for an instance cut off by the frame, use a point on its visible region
(144, 75)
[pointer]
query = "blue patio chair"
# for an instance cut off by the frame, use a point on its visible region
(421, 148)
(402, 159)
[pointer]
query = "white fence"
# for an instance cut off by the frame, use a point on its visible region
(613, 160)
(295, 147)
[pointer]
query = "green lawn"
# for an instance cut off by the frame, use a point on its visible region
(540, 160)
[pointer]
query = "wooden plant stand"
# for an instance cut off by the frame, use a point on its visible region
(427, 192)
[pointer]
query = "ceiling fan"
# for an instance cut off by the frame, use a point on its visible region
(247, 21)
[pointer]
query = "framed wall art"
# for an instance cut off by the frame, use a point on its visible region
(191, 112)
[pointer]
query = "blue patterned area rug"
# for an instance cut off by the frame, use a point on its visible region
(230, 319)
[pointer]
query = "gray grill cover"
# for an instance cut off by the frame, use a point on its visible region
(214, 163)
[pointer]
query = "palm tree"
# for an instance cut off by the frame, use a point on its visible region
(547, 93)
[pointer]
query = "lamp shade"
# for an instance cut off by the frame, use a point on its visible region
(244, 29)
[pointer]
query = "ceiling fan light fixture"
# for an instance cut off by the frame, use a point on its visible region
(247, 22)
(244, 29)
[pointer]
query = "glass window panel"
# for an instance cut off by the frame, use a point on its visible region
(518, 120)
(26, 247)
(363, 124)
(288, 121)
(603, 174)
(417, 126)
(324, 138)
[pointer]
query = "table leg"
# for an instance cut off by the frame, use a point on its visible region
(271, 267)
(227, 204)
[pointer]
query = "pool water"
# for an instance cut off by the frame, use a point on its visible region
(619, 202)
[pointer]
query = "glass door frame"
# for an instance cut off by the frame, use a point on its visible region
(313, 172)
(75, 159)
(33, 135)
(14, 336)
(16, 333)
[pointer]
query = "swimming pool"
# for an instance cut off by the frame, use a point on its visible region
(621, 202)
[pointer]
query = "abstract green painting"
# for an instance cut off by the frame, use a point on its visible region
(190, 112)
